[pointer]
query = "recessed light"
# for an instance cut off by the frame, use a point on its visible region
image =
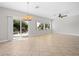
(36, 6)
(28, 2)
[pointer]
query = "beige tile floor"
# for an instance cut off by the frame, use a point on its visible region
(44, 45)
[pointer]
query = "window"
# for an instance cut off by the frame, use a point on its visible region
(43, 26)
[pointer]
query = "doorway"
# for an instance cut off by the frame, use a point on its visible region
(20, 28)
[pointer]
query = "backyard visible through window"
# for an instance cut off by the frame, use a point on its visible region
(20, 28)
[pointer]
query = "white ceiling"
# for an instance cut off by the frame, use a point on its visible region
(46, 9)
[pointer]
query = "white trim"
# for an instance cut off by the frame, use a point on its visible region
(9, 28)
(67, 33)
(4, 41)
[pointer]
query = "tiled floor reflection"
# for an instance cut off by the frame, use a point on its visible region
(45, 45)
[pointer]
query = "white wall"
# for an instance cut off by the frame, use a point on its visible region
(3, 30)
(67, 25)
(6, 23)
(33, 31)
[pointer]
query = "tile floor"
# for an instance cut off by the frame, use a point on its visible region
(44, 45)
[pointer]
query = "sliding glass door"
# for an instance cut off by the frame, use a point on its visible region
(24, 28)
(20, 29)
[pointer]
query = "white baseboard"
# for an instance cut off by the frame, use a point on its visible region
(67, 33)
(3, 41)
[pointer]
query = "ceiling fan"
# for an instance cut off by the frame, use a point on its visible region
(61, 16)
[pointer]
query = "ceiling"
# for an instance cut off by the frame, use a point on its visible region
(45, 9)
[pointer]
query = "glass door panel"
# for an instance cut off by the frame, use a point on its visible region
(16, 28)
(24, 28)
(20, 29)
